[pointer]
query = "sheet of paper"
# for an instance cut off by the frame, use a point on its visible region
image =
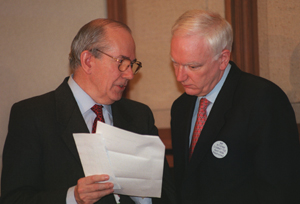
(88, 147)
(135, 161)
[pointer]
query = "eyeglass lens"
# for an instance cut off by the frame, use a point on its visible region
(126, 64)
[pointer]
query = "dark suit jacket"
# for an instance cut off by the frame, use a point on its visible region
(40, 159)
(256, 121)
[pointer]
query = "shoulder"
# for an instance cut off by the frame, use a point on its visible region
(35, 103)
(258, 86)
(32, 111)
(183, 105)
(185, 100)
(46, 100)
(253, 91)
(251, 85)
(250, 81)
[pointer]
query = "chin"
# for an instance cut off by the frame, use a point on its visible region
(116, 97)
(191, 92)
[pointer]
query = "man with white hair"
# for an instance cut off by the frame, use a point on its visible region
(234, 135)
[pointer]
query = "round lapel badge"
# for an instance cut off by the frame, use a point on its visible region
(219, 149)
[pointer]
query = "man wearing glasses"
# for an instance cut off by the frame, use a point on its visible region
(40, 160)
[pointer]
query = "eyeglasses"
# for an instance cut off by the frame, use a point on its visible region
(125, 63)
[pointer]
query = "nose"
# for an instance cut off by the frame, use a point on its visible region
(128, 74)
(180, 73)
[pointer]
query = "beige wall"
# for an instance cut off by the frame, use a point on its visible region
(151, 23)
(279, 46)
(35, 39)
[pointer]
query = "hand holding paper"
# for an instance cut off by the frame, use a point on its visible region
(88, 190)
(134, 162)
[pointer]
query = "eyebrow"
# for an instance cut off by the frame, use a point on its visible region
(125, 57)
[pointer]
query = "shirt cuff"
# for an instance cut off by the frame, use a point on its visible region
(139, 200)
(70, 196)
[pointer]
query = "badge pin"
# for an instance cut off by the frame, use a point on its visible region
(219, 149)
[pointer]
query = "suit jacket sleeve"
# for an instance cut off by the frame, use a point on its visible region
(274, 137)
(22, 173)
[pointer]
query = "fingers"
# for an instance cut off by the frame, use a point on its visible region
(90, 183)
(94, 178)
(89, 190)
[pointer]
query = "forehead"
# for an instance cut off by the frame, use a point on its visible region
(120, 41)
(188, 49)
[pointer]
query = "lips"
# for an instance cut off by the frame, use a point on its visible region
(122, 86)
(186, 86)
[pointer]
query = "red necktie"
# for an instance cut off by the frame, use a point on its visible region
(201, 118)
(98, 111)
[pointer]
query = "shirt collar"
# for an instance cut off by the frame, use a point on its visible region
(214, 93)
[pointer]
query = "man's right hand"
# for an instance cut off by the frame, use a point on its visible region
(88, 189)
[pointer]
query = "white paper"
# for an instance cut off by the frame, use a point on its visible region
(133, 161)
(88, 147)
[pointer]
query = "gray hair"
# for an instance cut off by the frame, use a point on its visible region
(91, 35)
(215, 29)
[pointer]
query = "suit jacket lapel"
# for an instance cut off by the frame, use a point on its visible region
(69, 116)
(121, 118)
(216, 118)
(186, 127)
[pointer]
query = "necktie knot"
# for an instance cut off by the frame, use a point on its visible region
(97, 109)
(204, 103)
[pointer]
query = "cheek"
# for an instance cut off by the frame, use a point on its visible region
(198, 78)
(113, 83)
(203, 80)
(110, 80)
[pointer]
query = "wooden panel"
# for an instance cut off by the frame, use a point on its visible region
(116, 10)
(242, 15)
(165, 136)
(170, 160)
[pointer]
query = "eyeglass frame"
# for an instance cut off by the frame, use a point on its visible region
(121, 60)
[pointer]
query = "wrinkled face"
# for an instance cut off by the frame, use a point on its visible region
(194, 64)
(107, 82)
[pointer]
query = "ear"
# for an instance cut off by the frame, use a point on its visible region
(86, 59)
(225, 57)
